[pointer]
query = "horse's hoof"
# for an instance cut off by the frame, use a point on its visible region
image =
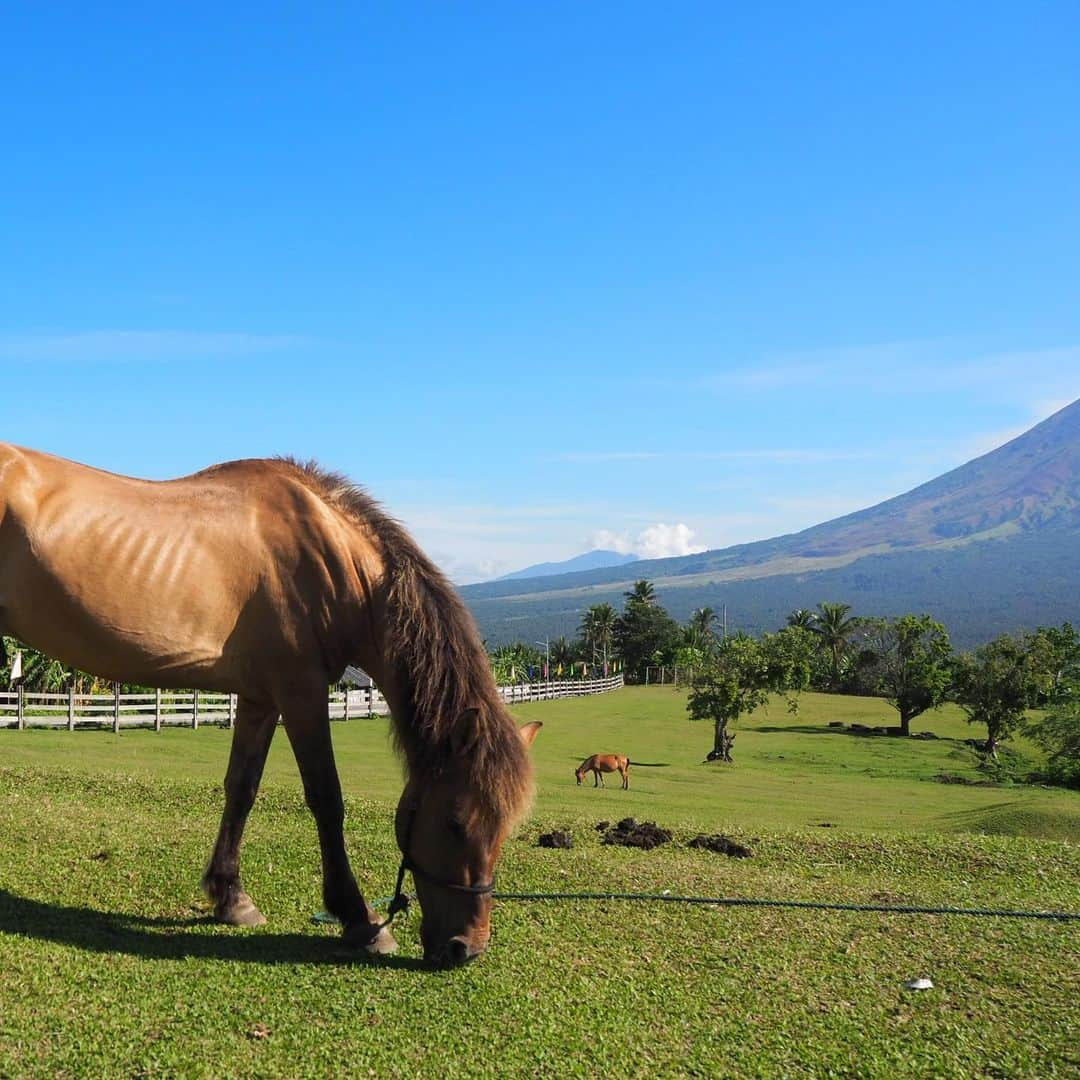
(241, 912)
(374, 939)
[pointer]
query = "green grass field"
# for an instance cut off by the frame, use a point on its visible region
(110, 967)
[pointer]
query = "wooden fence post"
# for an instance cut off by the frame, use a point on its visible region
(194, 710)
(71, 706)
(20, 708)
(116, 709)
(157, 708)
(345, 706)
(232, 711)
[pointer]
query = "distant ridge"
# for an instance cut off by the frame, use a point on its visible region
(988, 537)
(591, 560)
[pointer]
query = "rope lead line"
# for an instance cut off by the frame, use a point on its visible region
(815, 905)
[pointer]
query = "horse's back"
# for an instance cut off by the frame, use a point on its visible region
(158, 580)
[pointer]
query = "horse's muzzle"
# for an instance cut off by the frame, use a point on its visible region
(455, 953)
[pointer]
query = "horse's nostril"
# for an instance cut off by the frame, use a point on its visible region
(457, 951)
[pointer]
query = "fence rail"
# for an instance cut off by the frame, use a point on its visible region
(194, 708)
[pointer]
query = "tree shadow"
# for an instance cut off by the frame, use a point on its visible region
(195, 938)
(807, 729)
(877, 731)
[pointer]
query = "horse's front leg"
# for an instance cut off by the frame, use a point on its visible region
(308, 727)
(252, 734)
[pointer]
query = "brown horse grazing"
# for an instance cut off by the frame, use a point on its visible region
(599, 764)
(264, 578)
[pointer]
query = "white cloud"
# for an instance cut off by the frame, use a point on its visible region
(606, 540)
(659, 541)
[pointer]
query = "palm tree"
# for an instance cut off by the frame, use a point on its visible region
(702, 621)
(562, 654)
(598, 629)
(834, 628)
(699, 633)
(802, 618)
(643, 592)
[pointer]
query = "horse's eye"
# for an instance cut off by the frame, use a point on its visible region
(457, 829)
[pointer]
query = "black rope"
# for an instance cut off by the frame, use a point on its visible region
(818, 905)
(815, 905)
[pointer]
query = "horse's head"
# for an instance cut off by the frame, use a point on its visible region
(578, 775)
(451, 842)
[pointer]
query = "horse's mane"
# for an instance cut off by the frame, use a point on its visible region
(442, 665)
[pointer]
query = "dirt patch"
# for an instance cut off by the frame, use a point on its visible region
(722, 845)
(952, 778)
(555, 840)
(628, 833)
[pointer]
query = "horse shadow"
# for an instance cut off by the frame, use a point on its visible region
(633, 762)
(192, 938)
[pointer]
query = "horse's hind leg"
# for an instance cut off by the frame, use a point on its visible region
(308, 727)
(625, 777)
(254, 730)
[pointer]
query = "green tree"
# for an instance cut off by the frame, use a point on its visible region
(1000, 681)
(834, 630)
(597, 631)
(1057, 731)
(643, 592)
(740, 676)
(703, 622)
(801, 618)
(511, 663)
(562, 654)
(907, 661)
(40, 673)
(645, 633)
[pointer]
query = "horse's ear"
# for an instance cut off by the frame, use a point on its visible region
(465, 735)
(528, 731)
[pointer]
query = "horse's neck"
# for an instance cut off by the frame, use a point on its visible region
(369, 627)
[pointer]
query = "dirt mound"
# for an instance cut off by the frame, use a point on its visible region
(952, 778)
(628, 833)
(555, 840)
(722, 845)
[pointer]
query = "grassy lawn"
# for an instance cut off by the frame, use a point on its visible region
(108, 966)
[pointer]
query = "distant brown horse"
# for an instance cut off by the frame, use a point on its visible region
(264, 578)
(599, 764)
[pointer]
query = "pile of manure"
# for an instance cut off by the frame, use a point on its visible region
(628, 833)
(555, 840)
(722, 845)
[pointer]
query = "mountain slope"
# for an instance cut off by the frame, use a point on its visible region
(1016, 509)
(591, 560)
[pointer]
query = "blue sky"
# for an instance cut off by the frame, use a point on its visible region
(542, 275)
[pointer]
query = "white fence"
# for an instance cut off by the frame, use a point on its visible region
(191, 708)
